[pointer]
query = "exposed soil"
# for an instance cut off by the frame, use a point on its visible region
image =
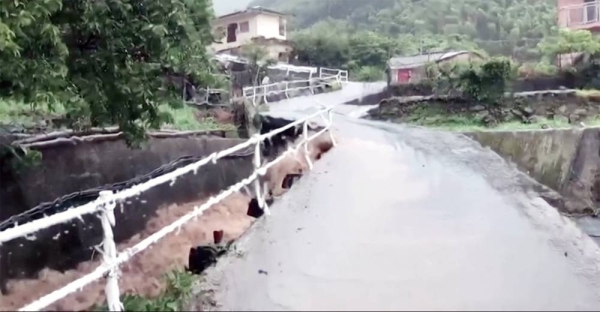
(144, 273)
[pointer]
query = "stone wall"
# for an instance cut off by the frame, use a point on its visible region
(529, 107)
(566, 80)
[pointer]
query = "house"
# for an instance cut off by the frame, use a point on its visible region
(411, 69)
(255, 25)
(579, 14)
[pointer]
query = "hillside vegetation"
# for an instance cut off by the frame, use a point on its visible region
(362, 35)
(507, 27)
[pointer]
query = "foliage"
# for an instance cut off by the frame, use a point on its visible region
(325, 44)
(104, 60)
(188, 118)
(23, 157)
(499, 27)
(179, 289)
(369, 74)
(569, 41)
(258, 61)
(532, 69)
(486, 83)
(481, 82)
(445, 77)
(590, 72)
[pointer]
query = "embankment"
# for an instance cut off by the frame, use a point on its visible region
(566, 160)
(567, 106)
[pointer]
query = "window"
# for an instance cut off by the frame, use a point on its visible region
(231, 32)
(244, 27)
(590, 14)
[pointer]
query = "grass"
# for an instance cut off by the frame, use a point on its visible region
(18, 115)
(184, 118)
(437, 119)
(588, 93)
(179, 289)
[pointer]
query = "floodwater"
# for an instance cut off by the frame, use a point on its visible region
(404, 218)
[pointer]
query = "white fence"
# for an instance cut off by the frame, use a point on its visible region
(107, 201)
(205, 96)
(326, 75)
(342, 75)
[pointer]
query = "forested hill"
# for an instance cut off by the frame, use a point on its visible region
(507, 27)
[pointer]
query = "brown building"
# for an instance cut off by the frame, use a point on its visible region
(412, 69)
(579, 14)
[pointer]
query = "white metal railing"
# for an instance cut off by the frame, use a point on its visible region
(582, 14)
(284, 87)
(107, 201)
(207, 93)
(342, 75)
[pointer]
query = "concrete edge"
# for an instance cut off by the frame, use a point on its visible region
(206, 284)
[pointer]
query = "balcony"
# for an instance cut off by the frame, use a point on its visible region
(581, 16)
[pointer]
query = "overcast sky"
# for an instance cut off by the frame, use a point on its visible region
(228, 6)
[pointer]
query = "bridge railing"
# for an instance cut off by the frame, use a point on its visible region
(341, 75)
(286, 88)
(105, 204)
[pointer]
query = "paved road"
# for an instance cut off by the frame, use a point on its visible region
(399, 218)
(306, 104)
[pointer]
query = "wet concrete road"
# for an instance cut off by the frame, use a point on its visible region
(399, 218)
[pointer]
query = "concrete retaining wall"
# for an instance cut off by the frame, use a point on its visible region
(87, 167)
(566, 160)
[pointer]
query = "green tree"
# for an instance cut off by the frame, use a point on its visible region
(324, 44)
(569, 41)
(105, 60)
(258, 62)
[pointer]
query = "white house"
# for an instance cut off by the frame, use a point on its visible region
(265, 27)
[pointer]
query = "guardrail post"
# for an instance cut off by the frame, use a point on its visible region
(109, 254)
(306, 155)
(330, 117)
(286, 89)
(262, 203)
(265, 92)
